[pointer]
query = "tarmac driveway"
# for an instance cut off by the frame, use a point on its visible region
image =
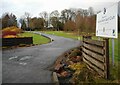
(29, 64)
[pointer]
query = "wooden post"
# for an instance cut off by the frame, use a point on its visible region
(86, 37)
(113, 51)
(93, 52)
(107, 58)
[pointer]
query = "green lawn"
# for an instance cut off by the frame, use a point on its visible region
(116, 48)
(37, 39)
(63, 34)
(75, 36)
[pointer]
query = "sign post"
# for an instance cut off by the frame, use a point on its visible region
(112, 51)
(107, 25)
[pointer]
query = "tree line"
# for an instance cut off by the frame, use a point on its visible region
(8, 20)
(82, 20)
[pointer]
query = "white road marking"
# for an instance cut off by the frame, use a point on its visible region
(13, 57)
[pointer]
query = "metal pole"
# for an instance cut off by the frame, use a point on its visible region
(113, 51)
(107, 66)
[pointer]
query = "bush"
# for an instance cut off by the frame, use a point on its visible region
(10, 36)
(10, 32)
(5, 33)
(13, 28)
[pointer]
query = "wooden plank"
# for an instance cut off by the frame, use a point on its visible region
(94, 42)
(94, 55)
(100, 72)
(93, 61)
(94, 48)
(107, 75)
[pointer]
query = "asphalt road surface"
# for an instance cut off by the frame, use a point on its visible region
(29, 64)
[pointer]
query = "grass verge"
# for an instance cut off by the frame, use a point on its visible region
(63, 34)
(37, 39)
(75, 36)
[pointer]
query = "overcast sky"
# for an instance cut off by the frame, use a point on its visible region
(34, 7)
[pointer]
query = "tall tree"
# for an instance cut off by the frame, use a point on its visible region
(44, 16)
(85, 20)
(27, 17)
(13, 20)
(54, 13)
(79, 22)
(54, 19)
(54, 22)
(36, 23)
(90, 11)
(5, 20)
(85, 13)
(69, 26)
(9, 20)
(60, 25)
(23, 24)
(68, 14)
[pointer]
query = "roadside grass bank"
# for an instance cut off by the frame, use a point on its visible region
(37, 39)
(62, 34)
(74, 35)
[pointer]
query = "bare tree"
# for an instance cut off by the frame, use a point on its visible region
(54, 19)
(79, 23)
(54, 14)
(44, 16)
(9, 20)
(70, 26)
(68, 14)
(27, 16)
(36, 23)
(91, 11)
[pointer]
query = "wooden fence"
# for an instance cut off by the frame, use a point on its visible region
(96, 55)
(16, 41)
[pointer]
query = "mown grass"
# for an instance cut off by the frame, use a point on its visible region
(63, 34)
(37, 39)
(116, 42)
(75, 36)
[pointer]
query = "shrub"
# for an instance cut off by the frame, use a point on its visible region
(5, 33)
(13, 28)
(10, 31)
(10, 36)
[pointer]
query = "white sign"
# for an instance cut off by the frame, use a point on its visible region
(107, 22)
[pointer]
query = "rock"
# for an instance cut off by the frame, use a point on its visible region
(69, 62)
(58, 75)
(55, 78)
(64, 73)
(58, 66)
(74, 59)
(79, 58)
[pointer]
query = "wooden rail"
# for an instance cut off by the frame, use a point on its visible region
(96, 55)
